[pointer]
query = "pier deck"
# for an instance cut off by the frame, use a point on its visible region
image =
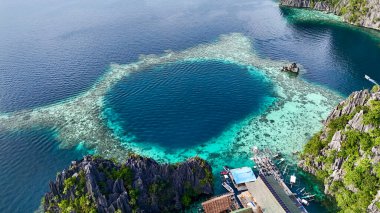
(273, 180)
(264, 197)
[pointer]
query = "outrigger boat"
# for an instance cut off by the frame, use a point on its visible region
(228, 187)
(370, 79)
(304, 202)
(224, 175)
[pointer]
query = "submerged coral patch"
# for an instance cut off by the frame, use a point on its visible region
(283, 123)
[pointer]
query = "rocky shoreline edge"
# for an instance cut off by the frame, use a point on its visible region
(345, 154)
(364, 13)
(139, 184)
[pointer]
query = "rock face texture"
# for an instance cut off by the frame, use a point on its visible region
(293, 68)
(372, 208)
(138, 185)
(365, 13)
(345, 155)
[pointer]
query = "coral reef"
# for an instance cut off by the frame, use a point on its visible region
(284, 123)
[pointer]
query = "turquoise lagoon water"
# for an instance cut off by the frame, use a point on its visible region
(50, 52)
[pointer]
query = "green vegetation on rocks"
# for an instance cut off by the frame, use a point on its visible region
(358, 12)
(82, 202)
(373, 115)
(137, 185)
(348, 163)
(355, 9)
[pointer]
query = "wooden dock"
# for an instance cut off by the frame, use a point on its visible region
(274, 180)
(265, 165)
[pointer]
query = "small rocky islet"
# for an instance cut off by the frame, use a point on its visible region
(139, 184)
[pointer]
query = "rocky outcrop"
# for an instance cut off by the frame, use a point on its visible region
(336, 141)
(365, 13)
(352, 109)
(346, 107)
(319, 5)
(346, 153)
(140, 185)
(293, 68)
(373, 208)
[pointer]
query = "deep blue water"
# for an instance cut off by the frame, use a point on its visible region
(186, 103)
(52, 50)
(28, 161)
(336, 56)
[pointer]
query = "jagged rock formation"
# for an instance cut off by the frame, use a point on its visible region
(293, 68)
(373, 208)
(139, 185)
(364, 13)
(346, 153)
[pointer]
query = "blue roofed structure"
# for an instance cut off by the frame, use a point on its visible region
(242, 175)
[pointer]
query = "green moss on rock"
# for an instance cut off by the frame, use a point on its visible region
(359, 182)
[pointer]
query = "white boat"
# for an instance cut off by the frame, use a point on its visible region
(304, 202)
(228, 187)
(308, 196)
(281, 160)
(293, 179)
(370, 79)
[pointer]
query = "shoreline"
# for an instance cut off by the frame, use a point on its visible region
(337, 10)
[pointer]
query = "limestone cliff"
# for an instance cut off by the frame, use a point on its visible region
(138, 185)
(346, 153)
(365, 13)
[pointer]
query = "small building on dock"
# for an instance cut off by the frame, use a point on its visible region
(223, 203)
(247, 201)
(241, 176)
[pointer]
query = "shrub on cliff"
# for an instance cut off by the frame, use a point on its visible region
(139, 184)
(373, 115)
(348, 165)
